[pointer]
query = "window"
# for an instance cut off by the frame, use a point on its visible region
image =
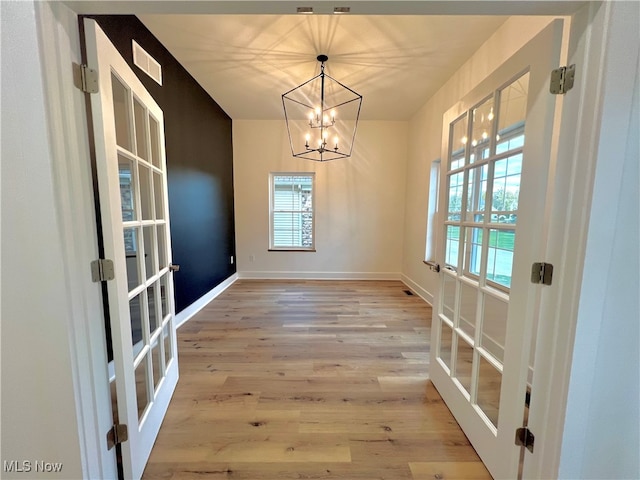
(291, 208)
(484, 171)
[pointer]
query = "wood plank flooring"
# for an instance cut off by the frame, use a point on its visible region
(310, 380)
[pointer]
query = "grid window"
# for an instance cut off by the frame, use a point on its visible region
(292, 211)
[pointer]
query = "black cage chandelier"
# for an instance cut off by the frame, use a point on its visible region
(321, 116)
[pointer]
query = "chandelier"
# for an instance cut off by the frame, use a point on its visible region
(321, 116)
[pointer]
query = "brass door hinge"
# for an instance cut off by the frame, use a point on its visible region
(542, 273)
(119, 433)
(524, 438)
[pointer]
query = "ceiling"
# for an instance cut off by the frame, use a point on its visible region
(396, 62)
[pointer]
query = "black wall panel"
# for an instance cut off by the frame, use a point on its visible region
(199, 164)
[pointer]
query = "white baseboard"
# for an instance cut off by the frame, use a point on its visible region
(425, 295)
(195, 307)
(319, 275)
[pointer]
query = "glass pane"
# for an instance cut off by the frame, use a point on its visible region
(494, 326)
(158, 194)
(131, 250)
(156, 360)
(141, 387)
(445, 344)
(121, 108)
(164, 291)
(145, 192)
(161, 238)
(513, 111)
(135, 311)
(141, 129)
(154, 312)
(464, 362)
(458, 141)
(500, 256)
(468, 303)
(307, 229)
(482, 126)
(126, 170)
(148, 232)
(155, 141)
(473, 250)
(511, 142)
(448, 296)
(476, 193)
(506, 190)
(489, 384)
(166, 335)
(452, 246)
(454, 200)
(287, 229)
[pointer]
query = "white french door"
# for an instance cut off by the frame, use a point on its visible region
(496, 155)
(132, 182)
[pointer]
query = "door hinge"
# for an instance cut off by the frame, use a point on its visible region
(85, 78)
(119, 433)
(562, 79)
(542, 273)
(524, 438)
(102, 270)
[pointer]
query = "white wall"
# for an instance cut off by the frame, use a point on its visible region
(359, 203)
(425, 140)
(39, 421)
(55, 399)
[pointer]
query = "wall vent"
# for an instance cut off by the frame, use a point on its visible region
(146, 63)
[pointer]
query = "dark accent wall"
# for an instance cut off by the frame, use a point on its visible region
(199, 164)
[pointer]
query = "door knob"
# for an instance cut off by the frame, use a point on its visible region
(174, 268)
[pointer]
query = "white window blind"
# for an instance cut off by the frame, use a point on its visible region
(292, 212)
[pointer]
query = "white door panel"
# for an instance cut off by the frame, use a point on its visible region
(130, 157)
(496, 154)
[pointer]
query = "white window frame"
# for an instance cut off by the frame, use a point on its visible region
(272, 210)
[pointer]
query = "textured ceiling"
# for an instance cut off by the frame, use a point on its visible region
(396, 62)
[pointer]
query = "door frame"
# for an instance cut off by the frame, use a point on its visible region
(56, 24)
(598, 46)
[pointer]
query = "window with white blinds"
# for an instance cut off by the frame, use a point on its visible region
(291, 211)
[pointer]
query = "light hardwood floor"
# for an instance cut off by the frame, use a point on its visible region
(310, 380)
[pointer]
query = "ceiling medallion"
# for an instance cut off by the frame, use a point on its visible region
(321, 116)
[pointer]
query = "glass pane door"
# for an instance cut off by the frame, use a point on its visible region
(493, 203)
(131, 171)
(484, 172)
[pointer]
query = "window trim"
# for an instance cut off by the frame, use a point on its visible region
(291, 248)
